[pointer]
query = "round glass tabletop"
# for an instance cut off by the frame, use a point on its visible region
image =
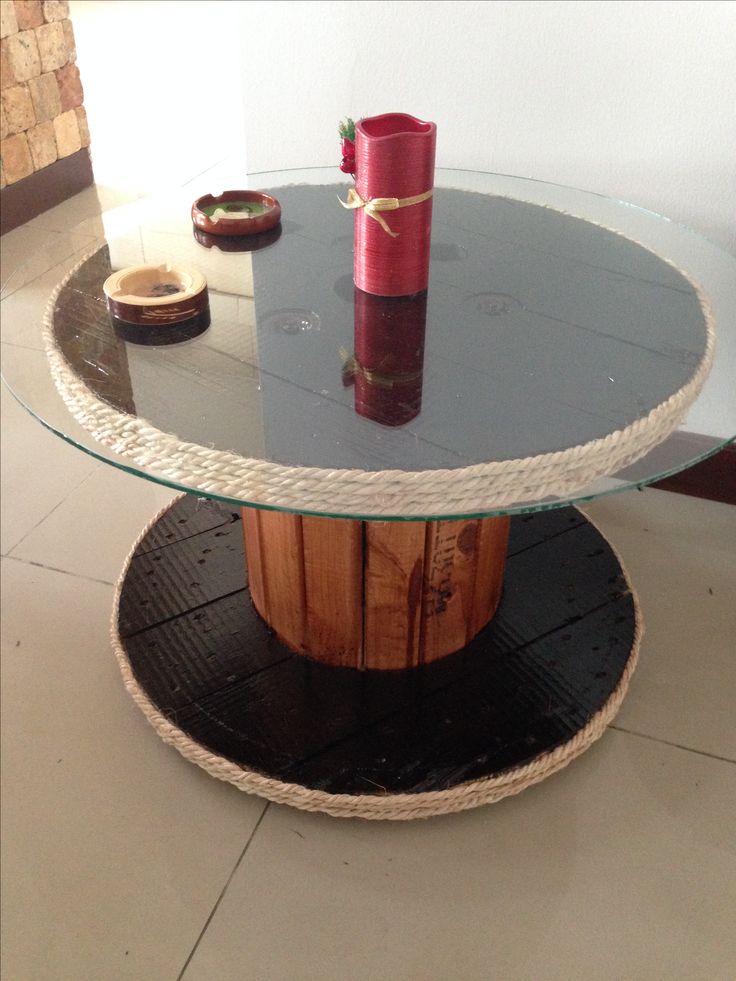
(562, 339)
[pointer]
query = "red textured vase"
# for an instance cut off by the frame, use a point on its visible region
(387, 367)
(394, 158)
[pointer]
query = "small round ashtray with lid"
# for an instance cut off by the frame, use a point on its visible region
(158, 297)
(236, 213)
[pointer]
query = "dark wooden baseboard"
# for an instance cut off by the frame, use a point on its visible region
(713, 479)
(43, 190)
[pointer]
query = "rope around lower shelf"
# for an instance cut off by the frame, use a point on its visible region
(393, 807)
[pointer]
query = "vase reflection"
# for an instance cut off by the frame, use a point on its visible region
(387, 365)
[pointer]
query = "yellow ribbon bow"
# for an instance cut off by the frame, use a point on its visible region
(352, 367)
(374, 206)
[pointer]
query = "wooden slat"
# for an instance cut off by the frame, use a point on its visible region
(493, 538)
(394, 569)
(529, 530)
(450, 564)
(85, 336)
(194, 517)
(564, 633)
(282, 575)
(207, 565)
(333, 575)
(376, 595)
(254, 557)
(284, 582)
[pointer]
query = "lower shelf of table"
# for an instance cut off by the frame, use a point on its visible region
(531, 691)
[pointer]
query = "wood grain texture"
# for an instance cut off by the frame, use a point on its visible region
(376, 595)
(281, 591)
(254, 558)
(492, 546)
(89, 341)
(199, 516)
(393, 592)
(333, 577)
(552, 657)
(450, 567)
(203, 566)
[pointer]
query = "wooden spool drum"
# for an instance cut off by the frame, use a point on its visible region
(374, 594)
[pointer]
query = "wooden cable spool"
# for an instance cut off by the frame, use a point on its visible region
(376, 594)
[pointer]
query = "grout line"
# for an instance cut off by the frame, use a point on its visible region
(70, 492)
(76, 251)
(222, 894)
(20, 541)
(202, 173)
(25, 347)
(668, 742)
(53, 568)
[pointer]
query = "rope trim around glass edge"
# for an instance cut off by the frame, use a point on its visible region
(476, 489)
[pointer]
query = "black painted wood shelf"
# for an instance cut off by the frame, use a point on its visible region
(550, 659)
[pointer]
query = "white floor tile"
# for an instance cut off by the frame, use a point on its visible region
(23, 308)
(115, 197)
(115, 848)
(89, 203)
(92, 531)
(68, 229)
(680, 553)
(621, 866)
(39, 471)
(230, 167)
(31, 250)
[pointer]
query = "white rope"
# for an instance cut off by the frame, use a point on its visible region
(396, 807)
(482, 487)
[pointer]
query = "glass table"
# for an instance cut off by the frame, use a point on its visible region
(376, 596)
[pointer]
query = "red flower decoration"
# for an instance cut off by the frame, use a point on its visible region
(348, 157)
(347, 140)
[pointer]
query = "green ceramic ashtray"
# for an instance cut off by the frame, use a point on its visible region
(236, 213)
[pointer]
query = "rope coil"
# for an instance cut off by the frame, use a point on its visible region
(374, 807)
(483, 487)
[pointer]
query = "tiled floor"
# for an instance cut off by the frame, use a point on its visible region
(122, 860)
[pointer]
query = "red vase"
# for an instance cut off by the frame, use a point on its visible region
(394, 158)
(387, 366)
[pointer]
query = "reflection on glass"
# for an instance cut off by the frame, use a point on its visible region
(542, 331)
(292, 320)
(387, 366)
(161, 336)
(238, 243)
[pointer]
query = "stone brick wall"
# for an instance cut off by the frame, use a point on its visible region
(42, 118)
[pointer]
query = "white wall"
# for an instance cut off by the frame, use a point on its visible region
(162, 88)
(631, 99)
(636, 100)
